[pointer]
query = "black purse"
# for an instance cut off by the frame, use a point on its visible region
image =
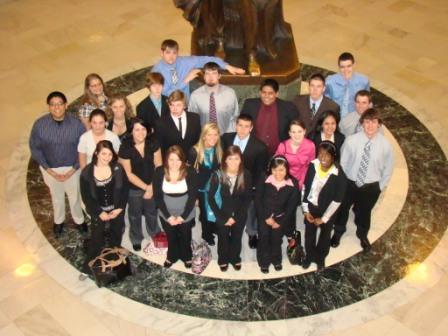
(295, 251)
(110, 266)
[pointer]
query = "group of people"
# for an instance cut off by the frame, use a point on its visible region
(248, 168)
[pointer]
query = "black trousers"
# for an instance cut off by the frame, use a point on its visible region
(229, 242)
(208, 228)
(103, 234)
(316, 248)
(363, 200)
(179, 240)
(269, 248)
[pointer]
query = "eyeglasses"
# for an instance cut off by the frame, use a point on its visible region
(56, 104)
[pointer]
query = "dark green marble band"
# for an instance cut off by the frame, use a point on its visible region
(411, 238)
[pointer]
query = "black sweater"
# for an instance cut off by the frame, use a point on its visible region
(192, 185)
(281, 204)
(234, 204)
(88, 189)
(204, 173)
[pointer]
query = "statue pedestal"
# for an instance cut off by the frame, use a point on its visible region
(285, 69)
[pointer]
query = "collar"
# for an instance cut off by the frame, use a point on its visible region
(271, 180)
(317, 102)
(334, 170)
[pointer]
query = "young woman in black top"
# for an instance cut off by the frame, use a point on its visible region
(327, 129)
(140, 155)
(233, 184)
(205, 158)
(323, 191)
(104, 191)
(175, 191)
(276, 202)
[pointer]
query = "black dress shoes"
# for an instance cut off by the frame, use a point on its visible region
(335, 241)
(167, 264)
(278, 267)
(83, 228)
(188, 264)
(224, 268)
(306, 263)
(137, 247)
(57, 229)
(253, 242)
(365, 244)
(237, 267)
(264, 270)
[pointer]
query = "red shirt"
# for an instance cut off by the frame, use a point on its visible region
(266, 126)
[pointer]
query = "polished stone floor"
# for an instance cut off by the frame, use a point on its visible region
(400, 45)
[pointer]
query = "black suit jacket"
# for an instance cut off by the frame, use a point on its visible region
(168, 135)
(302, 103)
(339, 139)
(148, 112)
(255, 155)
(287, 112)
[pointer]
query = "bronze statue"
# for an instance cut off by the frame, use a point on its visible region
(248, 26)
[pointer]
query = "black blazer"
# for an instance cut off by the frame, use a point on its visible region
(204, 173)
(302, 103)
(255, 155)
(281, 204)
(88, 189)
(234, 204)
(287, 112)
(339, 139)
(148, 112)
(192, 184)
(333, 190)
(168, 135)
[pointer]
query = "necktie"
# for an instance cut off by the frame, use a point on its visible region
(344, 107)
(180, 127)
(212, 111)
(313, 108)
(365, 158)
(174, 78)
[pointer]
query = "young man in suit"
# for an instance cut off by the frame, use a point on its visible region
(311, 106)
(342, 87)
(154, 106)
(271, 115)
(255, 159)
(179, 127)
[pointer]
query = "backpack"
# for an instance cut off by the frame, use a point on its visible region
(218, 199)
(201, 256)
(295, 253)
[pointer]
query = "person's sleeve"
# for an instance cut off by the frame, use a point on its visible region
(387, 168)
(306, 190)
(192, 183)
(329, 88)
(116, 143)
(220, 213)
(291, 205)
(192, 155)
(346, 157)
(124, 190)
(82, 145)
(81, 131)
(91, 204)
(158, 193)
(261, 163)
(35, 144)
(341, 187)
(281, 149)
(234, 117)
(192, 105)
(258, 201)
(241, 209)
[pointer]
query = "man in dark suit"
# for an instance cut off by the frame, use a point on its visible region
(271, 115)
(255, 159)
(179, 127)
(311, 106)
(155, 105)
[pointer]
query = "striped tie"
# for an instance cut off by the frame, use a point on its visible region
(174, 78)
(212, 112)
(362, 172)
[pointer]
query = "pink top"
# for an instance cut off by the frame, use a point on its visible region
(300, 160)
(271, 179)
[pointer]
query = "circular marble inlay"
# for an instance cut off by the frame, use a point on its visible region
(409, 240)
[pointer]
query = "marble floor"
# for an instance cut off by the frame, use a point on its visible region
(48, 45)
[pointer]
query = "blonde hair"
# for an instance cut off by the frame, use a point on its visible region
(128, 113)
(200, 146)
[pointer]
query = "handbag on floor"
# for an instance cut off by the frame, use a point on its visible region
(110, 266)
(295, 251)
(201, 256)
(160, 240)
